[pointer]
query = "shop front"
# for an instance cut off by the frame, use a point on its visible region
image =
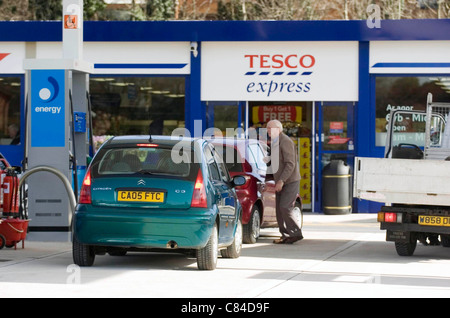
(313, 93)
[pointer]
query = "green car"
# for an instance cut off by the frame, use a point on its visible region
(145, 193)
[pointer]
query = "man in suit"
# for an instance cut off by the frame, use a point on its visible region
(286, 173)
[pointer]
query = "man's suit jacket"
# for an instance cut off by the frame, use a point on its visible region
(286, 166)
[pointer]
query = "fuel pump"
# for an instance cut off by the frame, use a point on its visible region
(56, 127)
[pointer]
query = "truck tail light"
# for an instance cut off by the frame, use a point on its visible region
(390, 217)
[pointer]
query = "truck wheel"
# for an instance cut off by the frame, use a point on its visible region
(406, 249)
(83, 255)
(207, 256)
(253, 227)
(234, 250)
(445, 240)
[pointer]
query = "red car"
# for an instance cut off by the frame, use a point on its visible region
(257, 196)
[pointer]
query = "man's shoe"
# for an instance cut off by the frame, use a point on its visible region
(279, 241)
(291, 240)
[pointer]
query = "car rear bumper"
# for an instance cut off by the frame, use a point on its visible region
(189, 229)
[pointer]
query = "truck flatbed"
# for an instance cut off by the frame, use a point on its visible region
(403, 181)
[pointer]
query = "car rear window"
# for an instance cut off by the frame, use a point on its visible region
(154, 161)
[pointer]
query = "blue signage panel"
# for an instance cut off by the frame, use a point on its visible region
(47, 108)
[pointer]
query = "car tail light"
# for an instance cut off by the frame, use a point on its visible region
(85, 193)
(199, 195)
(147, 145)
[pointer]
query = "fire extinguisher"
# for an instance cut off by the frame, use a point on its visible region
(2, 177)
(10, 188)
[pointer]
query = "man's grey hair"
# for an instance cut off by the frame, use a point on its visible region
(276, 123)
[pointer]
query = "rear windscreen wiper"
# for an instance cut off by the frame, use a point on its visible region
(143, 171)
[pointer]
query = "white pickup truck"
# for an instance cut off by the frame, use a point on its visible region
(413, 180)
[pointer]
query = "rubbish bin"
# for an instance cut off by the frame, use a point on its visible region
(337, 188)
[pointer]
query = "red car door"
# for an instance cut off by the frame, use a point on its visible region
(267, 188)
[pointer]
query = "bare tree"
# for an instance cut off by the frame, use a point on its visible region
(284, 9)
(196, 9)
(414, 9)
(234, 9)
(390, 9)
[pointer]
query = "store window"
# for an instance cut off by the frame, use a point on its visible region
(10, 110)
(136, 105)
(406, 93)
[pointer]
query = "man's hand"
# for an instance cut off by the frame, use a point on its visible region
(279, 186)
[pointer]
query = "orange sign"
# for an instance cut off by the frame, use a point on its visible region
(70, 21)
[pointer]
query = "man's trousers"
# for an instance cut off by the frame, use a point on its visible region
(285, 202)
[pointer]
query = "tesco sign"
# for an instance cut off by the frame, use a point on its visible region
(279, 71)
(279, 60)
(284, 64)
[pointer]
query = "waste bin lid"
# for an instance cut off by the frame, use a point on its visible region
(336, 167)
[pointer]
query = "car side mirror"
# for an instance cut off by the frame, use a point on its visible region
(238, 181)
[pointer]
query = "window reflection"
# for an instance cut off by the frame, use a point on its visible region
(408, 94)
(10, 110)
(335, 128)
(137, 105)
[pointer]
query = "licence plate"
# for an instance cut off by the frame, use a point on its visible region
(140, 196)
(434, 220)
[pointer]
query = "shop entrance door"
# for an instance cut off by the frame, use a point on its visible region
(334, 139)
(223, 115)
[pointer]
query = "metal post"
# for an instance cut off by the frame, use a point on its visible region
(313, 158)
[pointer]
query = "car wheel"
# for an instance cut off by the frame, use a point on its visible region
(298, 214)
(234, 250)
(207, 256)
(253, 227)
(2, 241)
(83, 255)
